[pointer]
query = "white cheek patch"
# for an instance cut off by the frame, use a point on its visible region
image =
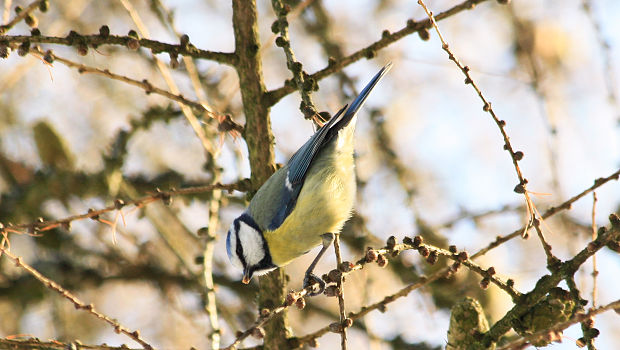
(252, 243)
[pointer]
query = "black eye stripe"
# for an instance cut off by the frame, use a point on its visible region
(238, 246)
(247, 219)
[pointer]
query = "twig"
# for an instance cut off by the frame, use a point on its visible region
(516, 156)
(549, 212)
(207, 268)
(588, 324)
(551, 259)
(340, 286)
(118, 328)
(20, 16)
(304, 84)
(42, 225)
(380, 305)
(594, 236)
(370, 51)
(475, 216)
(267, 315)
(96, 40)
(427, 251)
(165, 73)
(34, 343)
(430, 253)
(210, 302)
(144, 84)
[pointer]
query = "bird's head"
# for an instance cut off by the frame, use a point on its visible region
(247, 248)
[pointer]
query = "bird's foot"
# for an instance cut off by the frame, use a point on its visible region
(311, 280)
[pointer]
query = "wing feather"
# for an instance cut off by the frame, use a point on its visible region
(301, 161)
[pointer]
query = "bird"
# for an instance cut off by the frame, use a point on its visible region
(304, 203)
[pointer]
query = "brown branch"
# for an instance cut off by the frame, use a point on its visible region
(370, 51)
(516, 156)
(259, 139)
(380, 305)
(391, 250)
(344, 323)
(36, 344)
(549, 212)
(104, 38)
(20, 16)
(214, 204)
(267, 315)
(42, 225)
(80, 305)
(594, 235)
(304, 84)
(226, 123)
(431, 254)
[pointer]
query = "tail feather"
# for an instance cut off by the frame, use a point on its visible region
(361, 98)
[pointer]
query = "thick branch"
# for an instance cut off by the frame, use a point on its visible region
(259, 138)
(545, 283)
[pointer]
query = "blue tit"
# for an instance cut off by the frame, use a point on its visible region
(304, 203)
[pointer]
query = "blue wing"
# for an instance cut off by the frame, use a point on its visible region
(298, 165)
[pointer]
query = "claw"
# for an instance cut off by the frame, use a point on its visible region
(310, 280)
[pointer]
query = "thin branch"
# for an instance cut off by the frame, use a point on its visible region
(370, 51)
(300, 77)
(267, 315)
(148, 87)
(380, 305)
(34, 343)
(165, 196)
(516, 156)
(96, 40)
(475, 216)
(340, 286)
(165, 73)
(594, 236)
(20, 16)
(549, 212)
(588, 324)
(118, 328)
(209, 299)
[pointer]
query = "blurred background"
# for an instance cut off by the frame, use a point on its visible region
(429, 162)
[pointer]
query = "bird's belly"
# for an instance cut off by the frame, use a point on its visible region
(323, 206)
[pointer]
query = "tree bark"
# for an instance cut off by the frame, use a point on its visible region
(259, 139)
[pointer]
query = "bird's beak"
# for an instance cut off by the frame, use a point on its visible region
(247, 276)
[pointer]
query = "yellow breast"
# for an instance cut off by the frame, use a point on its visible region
(324, 205)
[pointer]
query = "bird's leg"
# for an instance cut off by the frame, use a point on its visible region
(310, 278)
